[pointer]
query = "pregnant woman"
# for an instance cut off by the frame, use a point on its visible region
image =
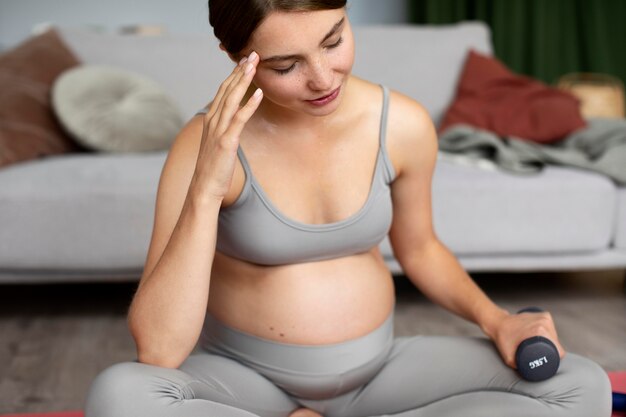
(264, 253)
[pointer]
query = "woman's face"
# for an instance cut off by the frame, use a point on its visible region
(305, 59)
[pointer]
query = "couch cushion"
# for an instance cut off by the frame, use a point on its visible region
(491, 97)
(492, 212)
(426, 60)
(28, 128)
(620, 230)
(115, 110)
(80, 211)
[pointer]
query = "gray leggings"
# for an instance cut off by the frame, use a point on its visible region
(241, 375)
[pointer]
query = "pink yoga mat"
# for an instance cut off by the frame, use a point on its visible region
(618, 382)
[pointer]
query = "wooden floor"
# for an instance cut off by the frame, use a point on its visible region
(56, 338)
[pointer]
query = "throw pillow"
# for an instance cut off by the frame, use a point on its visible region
(491, 97)
(28, 127)
(115, 110)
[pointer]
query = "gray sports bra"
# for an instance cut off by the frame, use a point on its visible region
(254, 230)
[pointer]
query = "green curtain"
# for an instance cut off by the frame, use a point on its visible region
(544, 39)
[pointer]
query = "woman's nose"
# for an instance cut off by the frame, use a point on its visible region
(320, 76)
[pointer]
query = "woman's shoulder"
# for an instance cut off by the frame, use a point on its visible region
(401, 107)
(184, 150)
(190, 135)
(411, 134)
(409, 112)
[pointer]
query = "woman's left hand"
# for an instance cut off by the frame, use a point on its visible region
(515, 328)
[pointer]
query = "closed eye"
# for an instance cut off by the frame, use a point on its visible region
(283, 71)
(336, 44)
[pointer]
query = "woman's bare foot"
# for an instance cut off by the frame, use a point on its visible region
(304, 412)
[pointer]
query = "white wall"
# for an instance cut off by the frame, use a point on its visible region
(19, 17)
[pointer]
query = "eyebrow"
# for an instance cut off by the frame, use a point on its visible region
(330, 33)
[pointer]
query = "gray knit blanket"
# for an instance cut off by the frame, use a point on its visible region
(600, 147)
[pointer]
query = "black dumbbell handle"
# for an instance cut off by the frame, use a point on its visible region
(537, 358)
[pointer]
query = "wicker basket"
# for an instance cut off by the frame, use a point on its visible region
(601, 95)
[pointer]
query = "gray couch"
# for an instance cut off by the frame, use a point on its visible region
(88, 217)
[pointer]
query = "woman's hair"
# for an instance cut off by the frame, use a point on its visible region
(234, 21)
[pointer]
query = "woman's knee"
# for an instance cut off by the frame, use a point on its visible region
(120, 389)
(585, 385)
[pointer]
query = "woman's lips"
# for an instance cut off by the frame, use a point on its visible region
(322, 101)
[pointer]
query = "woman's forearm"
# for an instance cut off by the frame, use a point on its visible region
(436, 272)
(169, 307)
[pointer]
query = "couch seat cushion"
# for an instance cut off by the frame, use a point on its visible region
(559, 210)
(79, 211)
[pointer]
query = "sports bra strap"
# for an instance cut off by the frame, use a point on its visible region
(244, 163)
(390, 172)
(383, 119)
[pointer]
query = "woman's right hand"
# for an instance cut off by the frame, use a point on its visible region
(222, 126)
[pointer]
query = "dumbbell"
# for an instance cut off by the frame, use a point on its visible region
(537, 358)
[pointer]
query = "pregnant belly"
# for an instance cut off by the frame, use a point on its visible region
(309, 304)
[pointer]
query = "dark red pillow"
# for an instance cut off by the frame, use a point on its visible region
(491, 97)
(28, 126)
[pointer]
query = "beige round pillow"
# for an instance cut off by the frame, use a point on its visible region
(114, 110)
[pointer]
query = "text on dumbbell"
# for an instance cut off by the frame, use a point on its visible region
(538, 362)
